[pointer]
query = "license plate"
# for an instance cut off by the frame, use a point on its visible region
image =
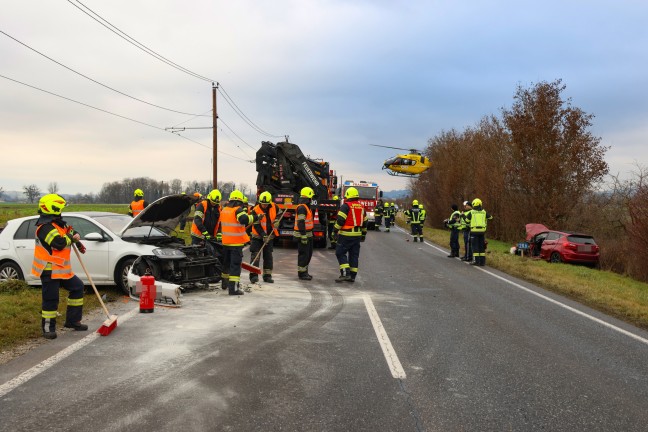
(286, 232)
(585, 248)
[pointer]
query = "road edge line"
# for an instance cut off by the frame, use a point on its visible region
(391, 357)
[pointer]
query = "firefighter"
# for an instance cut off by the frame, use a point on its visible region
(331, 223)
(478, 219)
(392, 213)
(138, 204)
(205, 227)
(234, 219)
(387, 216)
(303, 232)
(465, 227)
(414, 220)
(351, 224)
(263, 232)
(52, 265)
(378, 213)
(454, 223)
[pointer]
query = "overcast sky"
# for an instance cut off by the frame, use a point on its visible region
(334, 75)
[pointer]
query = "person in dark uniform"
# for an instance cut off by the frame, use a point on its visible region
(351, 223)
(303, 232)
(478, 219)
(454, 223)
(331, 223)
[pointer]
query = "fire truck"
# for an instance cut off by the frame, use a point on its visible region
(283, 170)
(369, 193)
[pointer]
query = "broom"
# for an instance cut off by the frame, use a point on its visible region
(109, 325)
(252, 268)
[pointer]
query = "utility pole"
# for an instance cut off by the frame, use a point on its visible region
(215, 133)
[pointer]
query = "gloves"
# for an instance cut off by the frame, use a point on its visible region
(207, 236)
(362, 238)
(266, 239)
(219, 237)
(304, 240)
(81, 248)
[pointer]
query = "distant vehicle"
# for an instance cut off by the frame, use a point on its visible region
(113, 242)
(369, 193)
(562, 246)
(406, 165)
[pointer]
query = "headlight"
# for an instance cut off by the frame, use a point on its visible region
(168, 253)
(370, 214)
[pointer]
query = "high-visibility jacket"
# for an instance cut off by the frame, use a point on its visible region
(271, 215)
(454, 221)
(478, 221)
(137, 207)
(414, 214)
(307, 219)
(58, 261)
(353, 218)
(233, 230)
(201, 210)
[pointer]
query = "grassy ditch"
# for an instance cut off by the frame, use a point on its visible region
(614, 294)
(20, 310)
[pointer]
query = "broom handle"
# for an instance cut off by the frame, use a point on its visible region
(76, 251)
(274, 226)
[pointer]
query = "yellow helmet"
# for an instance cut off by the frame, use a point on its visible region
(336, 198)
(51, 204)
(138, 192)
(265, 198)
(307, 192)
(386, 204)
(476, 202)
(420, 206)
(236, 195)
(214, 196)
(415, 202)
(351, 193)
(245, 199)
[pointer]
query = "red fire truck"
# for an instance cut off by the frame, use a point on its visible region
(369, 193)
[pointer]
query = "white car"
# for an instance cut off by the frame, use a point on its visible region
(113, 242)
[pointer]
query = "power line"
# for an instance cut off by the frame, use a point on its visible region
(95, 81)
(238, 146)
(219, 151)
(241, 114)
(237, 136)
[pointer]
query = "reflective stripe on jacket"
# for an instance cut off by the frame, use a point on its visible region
(308, 220)
(201, 210)
(58, 261)
(233, 231)
(270, 219)
(137, 207)
(478, 221)
(354, 221)
(414, 214)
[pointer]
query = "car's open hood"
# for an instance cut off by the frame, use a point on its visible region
(533, 229)
(164, 213)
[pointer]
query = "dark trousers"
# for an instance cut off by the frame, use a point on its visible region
(479, 247)
(454, 242)
(348, 253)
(378, 220)
(232, 259)
(50, 300)
(467, 245)
(255, 246)
(331, 236)
(304, 254)
(388, 222)
(417, 230)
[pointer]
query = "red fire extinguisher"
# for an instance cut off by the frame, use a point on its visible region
(148, 294)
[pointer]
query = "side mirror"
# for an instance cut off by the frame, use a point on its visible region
(93, 236)
(380, 194)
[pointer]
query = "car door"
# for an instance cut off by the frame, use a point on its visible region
(24, 243)
(549, 244)
(96, 258)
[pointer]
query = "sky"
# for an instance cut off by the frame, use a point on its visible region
(333, 75)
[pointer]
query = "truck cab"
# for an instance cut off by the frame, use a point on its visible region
(369, 193)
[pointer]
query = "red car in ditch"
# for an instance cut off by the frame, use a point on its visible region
(562, 246)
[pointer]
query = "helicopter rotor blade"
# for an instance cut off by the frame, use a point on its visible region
(397, 148)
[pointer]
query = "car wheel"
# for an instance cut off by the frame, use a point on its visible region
(555, 258)
(121, 273)
(10, 271)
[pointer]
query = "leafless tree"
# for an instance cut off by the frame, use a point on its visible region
(31, 192)
(53, 188)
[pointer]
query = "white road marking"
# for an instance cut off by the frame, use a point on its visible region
(556, 302)
(388, 350)
(61, 355)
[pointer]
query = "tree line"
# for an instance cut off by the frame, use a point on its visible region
(538, 162)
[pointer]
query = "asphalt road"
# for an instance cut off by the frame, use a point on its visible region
(420, 342)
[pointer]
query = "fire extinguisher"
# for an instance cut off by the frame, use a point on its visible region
(148, 294)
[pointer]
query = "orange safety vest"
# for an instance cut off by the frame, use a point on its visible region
(232, 230)
(309, 219)
(58, 260)
(272, 214)
(354, 218)
(137, 207)
(194, 229)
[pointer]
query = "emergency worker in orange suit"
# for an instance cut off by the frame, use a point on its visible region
(234, 219)
(263, 231)
(138, 204)
(205, 228)
(303, 232)
(350, 229)
(54, 238)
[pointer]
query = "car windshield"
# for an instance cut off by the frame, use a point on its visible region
(116, 223)
(581, 239)
(366, 192)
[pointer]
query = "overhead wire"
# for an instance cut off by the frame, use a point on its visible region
(238, 146)
(237, 135)
(241, 114)
(95, 81)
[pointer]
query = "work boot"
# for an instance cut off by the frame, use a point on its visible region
(377, 228)
(49, 335)
(451, 255)
(254, 278)
(344, 276)
(386, 229)
(352, 276)
(415, 239)
(234, 289)
(49, 328)
(421, 239)
(268, 278)
(332, 246)
(304, 276)
(224, 283)
(76, 326)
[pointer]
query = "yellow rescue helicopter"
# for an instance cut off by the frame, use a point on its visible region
(406, 165)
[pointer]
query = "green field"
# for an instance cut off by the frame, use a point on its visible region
(13, 211)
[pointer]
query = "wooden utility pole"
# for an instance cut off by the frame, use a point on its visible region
(215, 133)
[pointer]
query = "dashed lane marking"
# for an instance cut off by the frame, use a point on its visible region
(394, 364)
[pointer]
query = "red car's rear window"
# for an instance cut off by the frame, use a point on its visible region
(581, 239)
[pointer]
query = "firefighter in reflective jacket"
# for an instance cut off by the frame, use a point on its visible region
(414, 216)
(478, 220)
(138, 204)
(52, 264)
(454, 223)
(263, 231)
(351, 229)
(303, 232)
(234, 219)
(331, 223)
(378, 214)
(205, 225)
(387, 216)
